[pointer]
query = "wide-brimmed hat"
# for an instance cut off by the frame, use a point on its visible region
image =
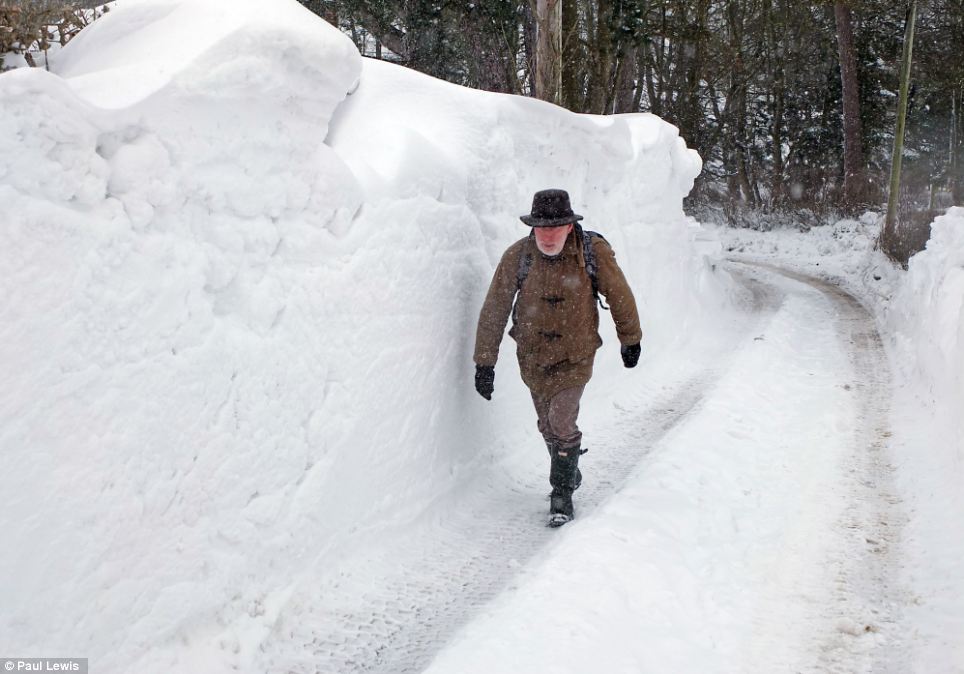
(550, 208)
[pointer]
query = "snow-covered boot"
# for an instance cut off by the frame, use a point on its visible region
(562, 477)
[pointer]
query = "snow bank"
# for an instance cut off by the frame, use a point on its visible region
(624, 168)
(927, 316)
(234, 342)
(926, 321)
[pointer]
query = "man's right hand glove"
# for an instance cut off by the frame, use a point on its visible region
(630, 354)
(485, 380)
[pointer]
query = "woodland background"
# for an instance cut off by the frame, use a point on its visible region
(754, 85)
(777, 96)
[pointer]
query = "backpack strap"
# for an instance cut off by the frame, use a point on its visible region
(521, 272)
(589, 256)
(525, 264)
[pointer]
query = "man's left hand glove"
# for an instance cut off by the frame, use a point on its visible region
(485, 380)
(630, 354)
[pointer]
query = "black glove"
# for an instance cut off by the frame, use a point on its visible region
(485, 380)
(630, 354)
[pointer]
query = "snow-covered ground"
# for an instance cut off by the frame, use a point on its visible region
(920, 313)
(242, 268)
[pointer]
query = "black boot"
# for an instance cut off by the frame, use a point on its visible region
(551, 446)
(562, 476)
(560, 507)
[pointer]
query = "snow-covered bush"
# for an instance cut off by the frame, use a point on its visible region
(31, 29)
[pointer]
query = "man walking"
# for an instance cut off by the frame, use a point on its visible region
(554, 277)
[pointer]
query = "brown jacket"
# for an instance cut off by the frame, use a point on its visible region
(555, 322)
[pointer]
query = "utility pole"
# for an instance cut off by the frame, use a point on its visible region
(549, 50)
(890, 240)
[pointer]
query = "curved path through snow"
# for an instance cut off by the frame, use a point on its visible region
(395, 604)
(848, 597)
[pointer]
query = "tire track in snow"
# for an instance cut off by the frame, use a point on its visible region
(450, 564)
(860, 626)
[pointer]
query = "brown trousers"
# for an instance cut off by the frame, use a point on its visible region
(557, 417)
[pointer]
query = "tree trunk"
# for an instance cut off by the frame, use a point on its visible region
(625, 81)
(529, 40)
(488, 69)
(742, 143)
(656, 71)
(854, 188)
(690, 109)
(601, 82)
(891, 240)
(573, 58)
(733, 121)
(774, 40)
(549, 50)
(649, 78)
(954, 169)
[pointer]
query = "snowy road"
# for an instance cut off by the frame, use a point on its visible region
(846, 594)
(744, 496)
(392, 606)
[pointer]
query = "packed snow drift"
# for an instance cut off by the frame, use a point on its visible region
(242, 268)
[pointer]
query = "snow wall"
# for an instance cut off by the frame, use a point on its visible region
(926, 318)
(925, 322)
(242, 268)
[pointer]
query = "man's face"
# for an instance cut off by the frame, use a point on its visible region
(550, 240)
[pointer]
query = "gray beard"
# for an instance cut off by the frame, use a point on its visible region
(550, 255)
